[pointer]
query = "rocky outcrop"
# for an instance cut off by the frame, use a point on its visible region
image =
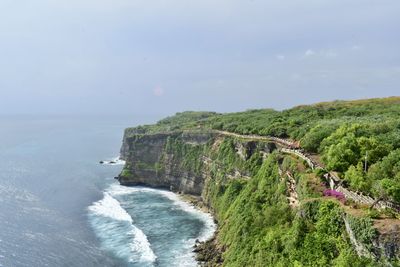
(388, 245)
(209, 253)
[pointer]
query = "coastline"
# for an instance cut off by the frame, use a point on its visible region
(195, 201)
(190, 203)
(209, 252)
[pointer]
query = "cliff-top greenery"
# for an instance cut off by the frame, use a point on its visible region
(358, 139)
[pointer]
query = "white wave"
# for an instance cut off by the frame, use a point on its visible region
(184, 259)
(117, 190)
(210, 227)
(114, 161)
(110, 207)
(142, 245)
(114, 233)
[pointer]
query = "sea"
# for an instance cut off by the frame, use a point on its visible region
(60, 207)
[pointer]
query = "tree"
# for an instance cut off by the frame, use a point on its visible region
(357, 179)
(313, 138)
(372, 149)
(342, 155)
(388, 189)
(387, 173)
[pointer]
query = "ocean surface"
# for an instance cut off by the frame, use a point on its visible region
(60, 207)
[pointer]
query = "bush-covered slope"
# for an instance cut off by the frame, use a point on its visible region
(258, 228)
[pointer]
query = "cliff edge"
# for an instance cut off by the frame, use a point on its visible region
(275, 208)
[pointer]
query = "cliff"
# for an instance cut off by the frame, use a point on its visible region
(249, 184)
(238, 179)
(178, 161)
(151, 160)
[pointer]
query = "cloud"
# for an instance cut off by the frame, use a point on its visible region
(158, 91)
(58, 51)
(330, 53)
(323, 53)
(280, 57)
(296, 76)
(309, 53)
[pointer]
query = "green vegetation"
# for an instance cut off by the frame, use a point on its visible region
(126, 172)
(363, 230)
(359, 139)
(189, 157)
(145, 166)
(354, 138)
(258, 228)
(181, 121)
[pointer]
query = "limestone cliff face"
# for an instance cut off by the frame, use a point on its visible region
(179, 161)
(151, 161)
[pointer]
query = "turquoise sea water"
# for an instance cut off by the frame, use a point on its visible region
(60, 207)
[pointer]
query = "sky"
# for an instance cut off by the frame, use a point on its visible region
(162, 57)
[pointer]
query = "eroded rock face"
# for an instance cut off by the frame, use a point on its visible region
(245, 149)
(387, 244)
(383, 247)
(166, 160)
(149, 162)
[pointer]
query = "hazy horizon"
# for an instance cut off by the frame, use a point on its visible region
(162, 57)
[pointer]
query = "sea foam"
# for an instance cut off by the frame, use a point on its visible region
(210, 227)
(114, 227)
(110, 207)
(114, 161)
(181, 259)
(110, 221)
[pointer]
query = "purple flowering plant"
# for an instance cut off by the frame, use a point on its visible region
(333, 193)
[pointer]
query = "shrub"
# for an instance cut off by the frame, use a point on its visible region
(333, 193)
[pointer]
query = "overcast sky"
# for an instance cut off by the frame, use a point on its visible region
(160, 57)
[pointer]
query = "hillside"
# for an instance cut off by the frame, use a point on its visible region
(272, 206)
(343, 133)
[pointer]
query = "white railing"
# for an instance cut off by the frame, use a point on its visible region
(335, 182)
(299, 154)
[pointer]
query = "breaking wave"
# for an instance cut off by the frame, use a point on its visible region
(210, 226)
(115, 228)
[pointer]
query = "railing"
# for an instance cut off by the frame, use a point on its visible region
(367, 200)
(285, 142)
(296, 152)
(293, 147)
(357, 197)
(389, 205)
